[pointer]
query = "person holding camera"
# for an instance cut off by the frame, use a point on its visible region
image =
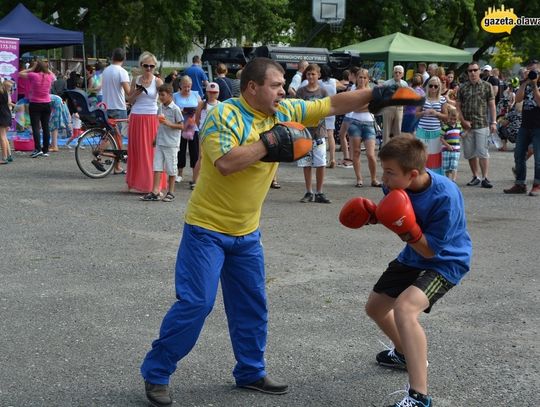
(529, 132)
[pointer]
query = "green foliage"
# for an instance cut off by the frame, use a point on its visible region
(505, 57)
(168, 28)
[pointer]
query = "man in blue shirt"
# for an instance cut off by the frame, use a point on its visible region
(197, 75)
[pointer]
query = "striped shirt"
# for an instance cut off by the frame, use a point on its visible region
(452, 135)
(431, 123)
(474, 99)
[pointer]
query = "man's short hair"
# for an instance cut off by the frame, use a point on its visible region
(167, 88)
(409, 153)
(433, 66)
(118, 55)
(399, 68)
(255, 71)
(196, 59)
(422, 64)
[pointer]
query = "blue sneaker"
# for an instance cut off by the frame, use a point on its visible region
(414, 399)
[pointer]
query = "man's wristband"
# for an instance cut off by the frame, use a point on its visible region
(493, 123)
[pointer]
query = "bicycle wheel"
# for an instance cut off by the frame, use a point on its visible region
(96, 153)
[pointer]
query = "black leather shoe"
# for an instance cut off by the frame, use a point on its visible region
(265, 385)
(158, 395)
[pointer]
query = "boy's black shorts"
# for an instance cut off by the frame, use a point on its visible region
(398, 277)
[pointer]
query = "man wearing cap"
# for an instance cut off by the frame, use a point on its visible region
(487, 73)
(393, 115)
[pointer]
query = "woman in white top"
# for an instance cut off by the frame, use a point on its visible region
(188, 100)
(431, 115)
(143, 125)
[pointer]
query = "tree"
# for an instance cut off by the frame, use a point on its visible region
(505, 57)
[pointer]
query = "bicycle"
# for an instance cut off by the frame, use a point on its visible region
(97, 152)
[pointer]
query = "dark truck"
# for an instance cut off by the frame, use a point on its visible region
(288, 57)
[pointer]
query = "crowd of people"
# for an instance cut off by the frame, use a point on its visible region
(494, 117)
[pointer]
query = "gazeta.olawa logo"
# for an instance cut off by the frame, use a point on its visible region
(504, 20)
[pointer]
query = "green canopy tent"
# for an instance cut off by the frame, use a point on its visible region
(405, 48)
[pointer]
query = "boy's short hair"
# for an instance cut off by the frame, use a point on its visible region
(167, 88)
(409, 152)
(452, 112)
(313, 67)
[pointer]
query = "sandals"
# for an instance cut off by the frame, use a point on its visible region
(376, 184)
(168, 198)
(359, 184)
(331, 164)
(275, 185)
(150, 197)
(120, 172)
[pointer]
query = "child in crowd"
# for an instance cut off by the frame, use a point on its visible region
(204, 107)
(451, 141)
(76, 125)
(317, 157)
(166, 143)
(426, 211)
(5, 120)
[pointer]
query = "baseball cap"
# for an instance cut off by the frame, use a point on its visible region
(487, 68)
(212, 87)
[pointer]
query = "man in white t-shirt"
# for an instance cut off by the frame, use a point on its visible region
(115, 87)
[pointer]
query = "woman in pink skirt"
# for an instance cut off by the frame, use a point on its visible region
(143, 124)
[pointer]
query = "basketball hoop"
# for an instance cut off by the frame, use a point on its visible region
(335, 26)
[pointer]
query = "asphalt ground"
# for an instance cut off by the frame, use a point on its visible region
(87, 275)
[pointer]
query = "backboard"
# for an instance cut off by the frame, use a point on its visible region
(329, 11)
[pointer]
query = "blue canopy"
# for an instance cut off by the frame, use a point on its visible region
(35, 34)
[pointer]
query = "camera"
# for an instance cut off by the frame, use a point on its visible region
(532, 75)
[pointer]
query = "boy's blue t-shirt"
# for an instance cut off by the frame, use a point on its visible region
(440, 213)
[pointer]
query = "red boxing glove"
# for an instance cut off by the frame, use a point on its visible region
(358, 212)
(395, 211)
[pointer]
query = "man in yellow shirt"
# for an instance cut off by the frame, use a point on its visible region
(221, 238)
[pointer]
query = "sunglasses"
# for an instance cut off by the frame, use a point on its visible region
(433, 86)
(146, 66)
(472, 70)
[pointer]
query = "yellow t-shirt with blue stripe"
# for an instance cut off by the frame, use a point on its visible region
(232, 204)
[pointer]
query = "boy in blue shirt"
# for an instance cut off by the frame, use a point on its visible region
(426, 210)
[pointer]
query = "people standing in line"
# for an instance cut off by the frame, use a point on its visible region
(393, 115)
(187, 100)
(5, 120)
(143, 126)
(115, 87)
(166, 144)
(431, 115)
(317, 157)
(451, 140)
(224, 83)
(297, 78)
(475, 99)
(199, 79)
(362, 130)
(39, 81)
(221, 241)
(529, 132)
